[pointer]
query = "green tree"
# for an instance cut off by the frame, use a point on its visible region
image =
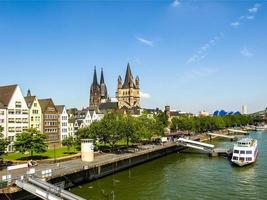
(68, 142)
(31, 141)
(3, 142)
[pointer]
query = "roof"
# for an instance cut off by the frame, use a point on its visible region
(95, 82)
(102, 77)
(6, 93)
(44, 103)
(108, 106)
(128, 78)
(29, 100)
(60, 108)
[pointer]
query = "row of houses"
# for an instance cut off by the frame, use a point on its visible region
(19, 113)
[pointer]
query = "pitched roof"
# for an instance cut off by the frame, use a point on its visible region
(128, 78)
(44, 103)
(29, 100)
(60, 108)
(108, 106)
(6, 93)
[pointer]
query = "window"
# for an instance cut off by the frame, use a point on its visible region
(235, 158)
(2, 120)
(35, 104)
(236, 151)
(242, 152)
(18, 104)
(248, 159)
(241, 158)
(18, 112)
(25, 112)
(2, 112)
(11, 120)
(11, 112)
(248, 152)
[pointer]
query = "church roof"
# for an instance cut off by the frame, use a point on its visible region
(128, 78)
(95, 82)
(102, 77)
(108, 106)
(6, 93)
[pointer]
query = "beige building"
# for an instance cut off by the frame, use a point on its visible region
(35, 112)
(128, 92)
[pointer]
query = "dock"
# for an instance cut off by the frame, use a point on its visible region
(231, 137)
(236, 131)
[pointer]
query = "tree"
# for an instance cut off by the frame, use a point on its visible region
(68, 142)
(3, 142)
(31, 141)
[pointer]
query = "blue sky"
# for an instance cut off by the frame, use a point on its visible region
(192, 55)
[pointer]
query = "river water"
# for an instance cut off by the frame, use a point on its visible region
(188, 175)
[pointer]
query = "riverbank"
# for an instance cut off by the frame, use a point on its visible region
(72, 173)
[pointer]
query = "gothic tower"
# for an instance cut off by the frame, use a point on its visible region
(94, 92)
(128, 93)
(103, 88)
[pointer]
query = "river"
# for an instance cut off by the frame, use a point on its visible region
(188, 175)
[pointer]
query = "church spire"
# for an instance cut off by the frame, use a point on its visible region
(29, 93)
(95, 82)
(128, 77)
(102, 77)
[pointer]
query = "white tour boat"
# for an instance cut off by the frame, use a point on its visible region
(245, 152)
(261, 128)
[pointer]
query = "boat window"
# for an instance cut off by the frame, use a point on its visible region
(242, 152)
(241, 158)
(248, 159)
(235, 158)
(236, 151)
(248, 152)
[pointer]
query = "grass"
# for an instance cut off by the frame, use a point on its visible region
(49, 154)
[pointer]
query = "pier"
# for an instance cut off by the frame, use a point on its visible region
(222, 135)
(235, 131)
(209, 148)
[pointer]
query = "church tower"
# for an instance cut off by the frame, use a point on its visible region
(128, 93)
(103, 88)
(94, 92)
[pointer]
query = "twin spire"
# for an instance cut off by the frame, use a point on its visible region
(102, 81)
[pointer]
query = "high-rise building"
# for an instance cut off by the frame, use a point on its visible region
(128, 92)
(244, 110)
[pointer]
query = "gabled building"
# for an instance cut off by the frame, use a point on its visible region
(128, 92)
(13, 113)
(63, 121)
(35, 112)
(51, 124)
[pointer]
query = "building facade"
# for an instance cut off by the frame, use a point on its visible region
(63, 122)
(128, 92)
(35, 112)
(13, 113)
(51, 124)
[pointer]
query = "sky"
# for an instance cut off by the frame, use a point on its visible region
(191, 55)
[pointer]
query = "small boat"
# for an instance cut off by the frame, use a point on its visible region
(245, 152)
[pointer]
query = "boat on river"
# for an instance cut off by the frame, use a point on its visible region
(245, 152)
(261, 128)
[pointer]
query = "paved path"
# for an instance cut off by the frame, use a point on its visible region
(71, 166)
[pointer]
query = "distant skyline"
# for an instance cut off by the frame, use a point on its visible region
(191, 55)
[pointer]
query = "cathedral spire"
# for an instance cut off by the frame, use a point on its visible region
(29, 93)
(128, 77)
(102, 77)
(95, 82)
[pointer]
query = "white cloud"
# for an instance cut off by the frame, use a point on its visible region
(198, 73)
(145, 41)
(250, 17)
(245, 52)
(176, 3)
(254, 9)
(235, 24)
(145, 95)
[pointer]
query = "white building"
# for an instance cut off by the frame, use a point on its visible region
(244, 110)
(63, 120)
(13, 113)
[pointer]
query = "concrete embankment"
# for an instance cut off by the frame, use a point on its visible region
(91, 171)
